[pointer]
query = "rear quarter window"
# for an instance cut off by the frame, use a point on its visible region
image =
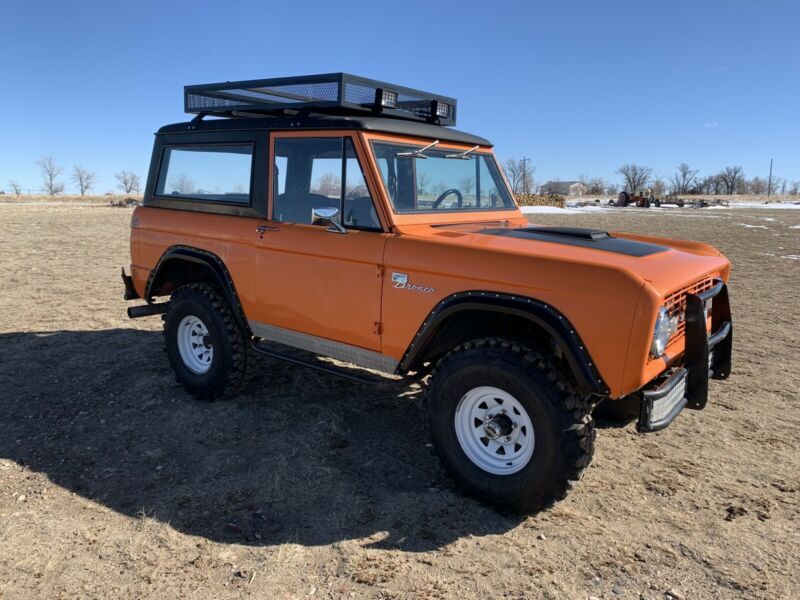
(208, 173)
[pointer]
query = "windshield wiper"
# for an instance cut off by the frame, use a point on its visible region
(417, 153)
(462, 155)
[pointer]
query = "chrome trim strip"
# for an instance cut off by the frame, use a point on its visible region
(712, 292)
(367, 359)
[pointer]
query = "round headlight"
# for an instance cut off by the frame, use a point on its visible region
(661, 333)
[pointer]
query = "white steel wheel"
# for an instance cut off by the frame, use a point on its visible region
(494, 430)
(194, 345)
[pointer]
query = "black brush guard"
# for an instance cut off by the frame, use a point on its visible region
(699, 363)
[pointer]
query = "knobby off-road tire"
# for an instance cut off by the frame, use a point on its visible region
(563, 441)
(201, 316)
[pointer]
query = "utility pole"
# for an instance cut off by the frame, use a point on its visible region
(769, 185)
(524, 175)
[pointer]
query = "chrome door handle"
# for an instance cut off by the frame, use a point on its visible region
(261, 229)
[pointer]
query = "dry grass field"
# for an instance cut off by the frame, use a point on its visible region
(115, 484)
(68, 199)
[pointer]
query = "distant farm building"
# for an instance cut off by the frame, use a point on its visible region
(564, 188)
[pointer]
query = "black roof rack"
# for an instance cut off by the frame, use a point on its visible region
(331, 93)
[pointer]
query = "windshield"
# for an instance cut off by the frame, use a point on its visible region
(427, 179)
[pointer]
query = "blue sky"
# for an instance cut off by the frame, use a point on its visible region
(580, 87)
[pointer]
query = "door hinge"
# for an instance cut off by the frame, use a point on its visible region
(380, 271)
(377, 328)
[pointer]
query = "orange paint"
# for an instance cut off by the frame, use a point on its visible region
(339, 287)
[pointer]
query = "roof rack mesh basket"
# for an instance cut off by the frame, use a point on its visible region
(333, 93)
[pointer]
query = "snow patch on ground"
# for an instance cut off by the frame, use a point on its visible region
(753, 226)
(548, 210)
(792, 256)
(770, 206)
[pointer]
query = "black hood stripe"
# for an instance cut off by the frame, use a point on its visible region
(585, 238)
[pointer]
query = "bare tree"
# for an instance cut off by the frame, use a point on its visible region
(778, 185)
(83, 178)
(15, 187)
(182, 184)
(128, 182)
(756, 185)
(422, 183)
(731, 179)
(794, 188)
(709, 185)
(329, 184)
(520, 175)
(635, 176)
(658, 186)
(684, 180)
(611, 189)
(50, 171)
(467, 185)
(594, 185)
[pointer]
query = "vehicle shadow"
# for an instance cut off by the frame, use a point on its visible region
(301, 457)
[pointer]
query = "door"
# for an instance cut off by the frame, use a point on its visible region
(312, 277)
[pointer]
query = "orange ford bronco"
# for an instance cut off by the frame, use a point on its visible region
(336, 216)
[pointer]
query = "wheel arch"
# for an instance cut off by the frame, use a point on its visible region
(467, 315)
(180, 265)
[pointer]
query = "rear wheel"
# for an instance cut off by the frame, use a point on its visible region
(205, 345)
(623, 199)
(508, 424)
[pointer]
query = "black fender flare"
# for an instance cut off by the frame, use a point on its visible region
(540, 313)
(208, 260)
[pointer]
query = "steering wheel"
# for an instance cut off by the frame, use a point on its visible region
(445, 194)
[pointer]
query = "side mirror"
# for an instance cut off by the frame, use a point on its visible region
(327, 216)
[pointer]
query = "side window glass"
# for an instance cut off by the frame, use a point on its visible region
(206, 172)
(359, 210)
(279, 173)
(304, 171)
(326, 177)
(312, 173)
(489, 194)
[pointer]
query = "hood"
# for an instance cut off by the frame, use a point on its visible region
(665, 263)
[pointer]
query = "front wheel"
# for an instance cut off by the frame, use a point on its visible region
(205, 345)
(508, 424)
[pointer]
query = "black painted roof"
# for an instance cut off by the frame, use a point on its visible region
(311, 122)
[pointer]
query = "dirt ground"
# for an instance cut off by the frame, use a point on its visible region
(114, 483)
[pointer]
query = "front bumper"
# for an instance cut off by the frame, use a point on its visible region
(707, 356)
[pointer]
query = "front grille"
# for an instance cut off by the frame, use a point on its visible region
(675, 303)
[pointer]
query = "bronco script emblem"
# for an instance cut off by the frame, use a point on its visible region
(400, 281)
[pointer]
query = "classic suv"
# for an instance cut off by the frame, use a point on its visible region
(342, 217)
